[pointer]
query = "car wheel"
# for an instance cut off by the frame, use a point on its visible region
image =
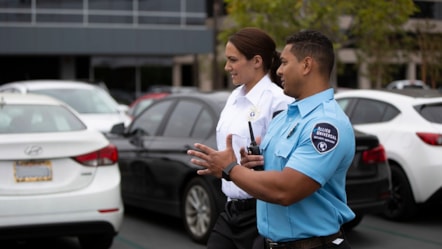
(353, 223)
(96, 241)
(199, 210)
(401, 205)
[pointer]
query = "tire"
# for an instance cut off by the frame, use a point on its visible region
(198, 210)
(353, 223)
(96, 241)
(401, 206)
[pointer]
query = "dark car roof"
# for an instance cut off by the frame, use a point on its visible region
(217, 97)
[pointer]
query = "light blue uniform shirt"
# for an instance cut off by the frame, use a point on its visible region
(314, 137)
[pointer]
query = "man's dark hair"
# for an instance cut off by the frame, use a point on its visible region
(316, 45)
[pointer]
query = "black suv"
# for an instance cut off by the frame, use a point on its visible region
(368, 178)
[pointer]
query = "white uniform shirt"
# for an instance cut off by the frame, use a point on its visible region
(257, 106)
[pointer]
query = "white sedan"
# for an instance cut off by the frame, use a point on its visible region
(95, 105)
(408, 123)
(57, 177)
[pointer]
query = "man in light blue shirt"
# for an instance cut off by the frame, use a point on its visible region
(318, 143)
(306, 153)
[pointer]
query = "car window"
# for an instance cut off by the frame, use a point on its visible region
(390, 112)
(10, 90)
(204, 125)
(84, 100)
(346, 104)
(37, 119)
(432, 112)
(182, 119)
(140, 106)
(368, 111)
(149, 121)
(343, 103)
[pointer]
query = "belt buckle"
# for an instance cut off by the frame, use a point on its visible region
(272, 244)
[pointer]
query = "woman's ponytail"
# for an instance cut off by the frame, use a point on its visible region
(276, 62)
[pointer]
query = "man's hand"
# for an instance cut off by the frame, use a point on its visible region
(251, 161)
(212, 160)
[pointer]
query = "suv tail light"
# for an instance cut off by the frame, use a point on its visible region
(375, 155)
(430, 138)
(106, 156)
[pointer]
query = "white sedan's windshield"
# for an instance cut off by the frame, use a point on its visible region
(37, 119)
(84, 101)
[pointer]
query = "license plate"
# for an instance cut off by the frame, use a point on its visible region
(33, 171)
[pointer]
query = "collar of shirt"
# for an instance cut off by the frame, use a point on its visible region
(305, 106)
(254, 95)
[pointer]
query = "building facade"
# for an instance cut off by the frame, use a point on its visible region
(128, 44)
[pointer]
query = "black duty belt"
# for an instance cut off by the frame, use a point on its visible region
(243, 204)
(304, 243)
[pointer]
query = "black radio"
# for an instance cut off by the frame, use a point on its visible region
(253, 149)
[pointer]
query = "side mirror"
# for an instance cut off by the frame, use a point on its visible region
(123, 108)
(117, 129)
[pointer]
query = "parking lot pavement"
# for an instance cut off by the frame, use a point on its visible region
(144, 230)
(422, 232)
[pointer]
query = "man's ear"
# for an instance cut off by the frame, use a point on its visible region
(308, 63)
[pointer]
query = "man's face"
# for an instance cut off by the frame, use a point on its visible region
(290, 72)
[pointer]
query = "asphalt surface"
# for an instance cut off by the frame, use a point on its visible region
(146, 230)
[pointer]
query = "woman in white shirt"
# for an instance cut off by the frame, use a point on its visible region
(252, 61)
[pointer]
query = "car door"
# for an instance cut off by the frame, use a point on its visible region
(137, 181)
(190, 121)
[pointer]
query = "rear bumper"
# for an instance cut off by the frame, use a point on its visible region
(368, 196)
(368, 207)
(56, 230)
(97, 208)
(436, 197)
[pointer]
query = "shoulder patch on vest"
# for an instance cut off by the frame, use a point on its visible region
(324, 137)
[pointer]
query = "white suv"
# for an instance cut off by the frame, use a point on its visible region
(408, 123)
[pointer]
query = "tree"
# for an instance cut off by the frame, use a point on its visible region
(373, 23)
(281, 18)
(430, 47)
(380, 37)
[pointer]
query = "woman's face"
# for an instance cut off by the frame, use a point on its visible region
(241, 70)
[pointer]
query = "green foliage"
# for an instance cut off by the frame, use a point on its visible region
(379, 35)
(281, 18)
(375, 27)
(430, 46)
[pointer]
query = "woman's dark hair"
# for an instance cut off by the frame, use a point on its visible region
(253, 41)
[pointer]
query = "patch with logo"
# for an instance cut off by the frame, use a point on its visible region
(324, 137)
(253, 113)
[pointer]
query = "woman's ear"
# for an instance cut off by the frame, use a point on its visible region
(257, 61)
